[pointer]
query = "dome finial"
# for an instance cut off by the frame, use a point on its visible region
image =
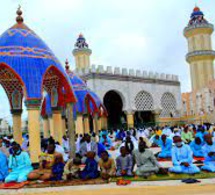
(67, 64)
(19, 18)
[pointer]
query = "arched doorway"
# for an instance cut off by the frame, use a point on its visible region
(144, 105)
(113, 103)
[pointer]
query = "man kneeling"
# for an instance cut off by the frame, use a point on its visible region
(182, 158)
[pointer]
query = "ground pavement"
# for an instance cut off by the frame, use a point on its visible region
(206, 187)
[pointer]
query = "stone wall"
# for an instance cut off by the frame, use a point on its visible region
(135, 88)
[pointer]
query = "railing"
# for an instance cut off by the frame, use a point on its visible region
(194, 26)
(200, 53)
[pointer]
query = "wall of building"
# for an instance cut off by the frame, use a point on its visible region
(129, 83)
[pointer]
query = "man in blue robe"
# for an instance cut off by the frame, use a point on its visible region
(19, 165)
(120, 134)
(155, 140)
(196, 146)
(166, 147)
(182, 158)
(201, 133)
(3, 166)
(167, 131)
(209, 153)
(106, 141)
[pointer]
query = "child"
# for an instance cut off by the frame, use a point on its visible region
(72, 169)
(107, 166)
(57, 168)
(91, 169)
(124, 163)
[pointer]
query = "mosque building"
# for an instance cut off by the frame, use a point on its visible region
(131, 97)
(199, 104)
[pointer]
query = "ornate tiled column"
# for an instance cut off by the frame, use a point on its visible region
(86, 124)
(95, 123)
(79, 124)
(57, 121)
(63, 118)
(99, 122)
(130, 119)
(17, 125)
(33, 108)
(45, 127)
(51, 126)
(71, 129)
(104, 122)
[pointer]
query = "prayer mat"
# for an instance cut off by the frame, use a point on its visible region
(164, 159)
(75, 182)
(13, 185)
(169, 176)
(198, 158)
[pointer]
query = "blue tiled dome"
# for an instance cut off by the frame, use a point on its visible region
(82, 94)
(28, 55)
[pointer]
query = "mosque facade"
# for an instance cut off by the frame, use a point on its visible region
(199, 104)
(131, 97)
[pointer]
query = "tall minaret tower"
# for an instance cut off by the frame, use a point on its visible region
(200, 53)
(82, 53)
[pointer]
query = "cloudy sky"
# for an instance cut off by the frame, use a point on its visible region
(139, 34)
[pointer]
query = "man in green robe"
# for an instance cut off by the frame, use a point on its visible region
(145, 161)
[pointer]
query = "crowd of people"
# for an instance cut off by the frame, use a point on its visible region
(111, 153)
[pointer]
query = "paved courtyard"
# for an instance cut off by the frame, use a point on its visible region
(206, 187)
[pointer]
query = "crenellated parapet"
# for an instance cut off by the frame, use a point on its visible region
(124, 72)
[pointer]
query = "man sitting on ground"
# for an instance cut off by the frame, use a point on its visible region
(88, 146)
(209, 152)
(196, 146)
(107, 166)
(186, 135)
(145, 160)
(46, 161)
(124, 163)
(166, 146)
(182, 158)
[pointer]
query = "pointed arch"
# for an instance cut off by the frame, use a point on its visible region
(12, 82)
(53, 77)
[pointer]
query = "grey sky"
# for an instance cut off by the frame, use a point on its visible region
(139, 34)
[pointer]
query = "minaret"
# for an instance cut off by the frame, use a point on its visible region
(200, 53)
(82, 53)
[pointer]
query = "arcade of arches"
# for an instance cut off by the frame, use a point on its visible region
(144, 112)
